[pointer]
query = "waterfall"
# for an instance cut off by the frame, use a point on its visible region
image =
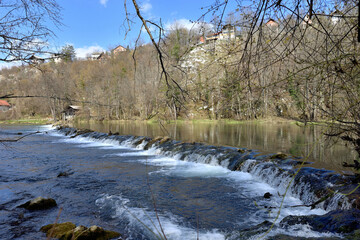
(310, 185)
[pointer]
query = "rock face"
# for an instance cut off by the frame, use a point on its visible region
(338, 221)
(68, 231)
(39, 203)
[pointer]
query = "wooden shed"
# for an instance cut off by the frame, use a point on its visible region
(70, 111)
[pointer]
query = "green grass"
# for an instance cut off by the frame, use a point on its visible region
(27, 121)
(302, 124)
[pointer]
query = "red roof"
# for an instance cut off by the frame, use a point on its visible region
(4, 103)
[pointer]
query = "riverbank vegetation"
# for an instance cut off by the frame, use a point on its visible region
(28, 121)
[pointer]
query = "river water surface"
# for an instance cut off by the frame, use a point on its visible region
(266, 137)
(133, 191)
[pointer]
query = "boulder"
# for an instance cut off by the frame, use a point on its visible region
(57, 230)
(68, 231)
(39, 203)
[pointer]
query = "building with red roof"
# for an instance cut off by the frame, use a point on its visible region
(4, 105)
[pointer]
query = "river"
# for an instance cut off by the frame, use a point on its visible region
(122, 187)
(266, 137)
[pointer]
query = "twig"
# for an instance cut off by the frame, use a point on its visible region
(18, 139)
(54, 225)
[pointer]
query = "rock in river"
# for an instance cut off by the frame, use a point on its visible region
(68, 230)
(267, 195)
(64, 174)
(39, 203)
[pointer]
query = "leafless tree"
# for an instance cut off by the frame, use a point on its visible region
(24, 28)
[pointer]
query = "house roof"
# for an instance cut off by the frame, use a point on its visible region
(4, 103)
(271, 21)
(119, 47)
(33, 57)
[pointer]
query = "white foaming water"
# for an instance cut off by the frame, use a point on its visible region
(173, 167)
(145, 219)
(245, 182)
(94, 143)
(133, 153)
(195, 165)
(46, 128)
(302, 190)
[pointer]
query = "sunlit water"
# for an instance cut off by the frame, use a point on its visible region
(130, 190)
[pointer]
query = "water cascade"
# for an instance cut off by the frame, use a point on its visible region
(314, 187)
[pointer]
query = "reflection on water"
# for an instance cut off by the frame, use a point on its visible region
(264, 137)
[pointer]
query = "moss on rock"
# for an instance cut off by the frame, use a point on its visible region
(58, 230)
(281, 156)
(68, 231)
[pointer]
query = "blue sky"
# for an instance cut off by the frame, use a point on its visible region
(98, 25)
(91, 25)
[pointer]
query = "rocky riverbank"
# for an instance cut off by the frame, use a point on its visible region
(67, 230)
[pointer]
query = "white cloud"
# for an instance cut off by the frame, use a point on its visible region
(103, 2)
(86, 51)
(186, 23)
(146, 7)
